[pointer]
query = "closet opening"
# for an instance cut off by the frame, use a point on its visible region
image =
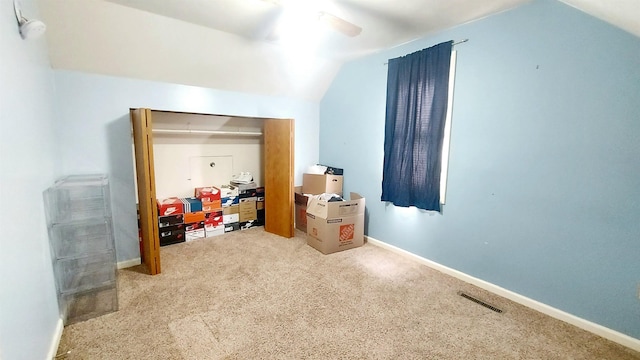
(175, 152)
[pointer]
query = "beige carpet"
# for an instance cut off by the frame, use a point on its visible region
(253, 295)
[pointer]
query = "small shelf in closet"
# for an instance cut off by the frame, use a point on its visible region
(208, 132)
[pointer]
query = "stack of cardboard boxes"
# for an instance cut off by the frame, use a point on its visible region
(211, 212)
(230, 208)
(193, 219)
(331, 226)
(171, 221)
(251, 205)
(211, 200)
(314, 184)
(242, 206)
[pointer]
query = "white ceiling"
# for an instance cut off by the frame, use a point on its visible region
(385, 23)
(229, 45)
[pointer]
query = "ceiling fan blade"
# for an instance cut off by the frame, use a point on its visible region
(334, 22)
(339, 24)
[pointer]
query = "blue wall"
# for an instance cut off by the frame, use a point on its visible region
(94, 131)
(29, 317)
(544, 182)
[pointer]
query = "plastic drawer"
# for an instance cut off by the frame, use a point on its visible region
(90, 303)
(78, 274)
(77, 198)
(71, 240)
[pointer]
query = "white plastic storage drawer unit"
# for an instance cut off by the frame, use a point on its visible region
(81, 239)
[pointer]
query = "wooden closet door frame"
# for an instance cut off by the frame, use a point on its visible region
(278, 164)
(145, 176)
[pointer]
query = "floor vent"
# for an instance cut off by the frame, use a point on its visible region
(479, 302)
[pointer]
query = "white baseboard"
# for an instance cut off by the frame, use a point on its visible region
(55, 341)
(587, 325)
(129, 263)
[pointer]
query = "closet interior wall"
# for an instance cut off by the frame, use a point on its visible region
(194, 150)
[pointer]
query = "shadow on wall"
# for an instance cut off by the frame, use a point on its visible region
(366, 221)
(123, 194)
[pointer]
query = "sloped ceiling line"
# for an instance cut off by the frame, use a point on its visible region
(223, 44)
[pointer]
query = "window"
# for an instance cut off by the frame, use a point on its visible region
(444, 172)
(418, 99)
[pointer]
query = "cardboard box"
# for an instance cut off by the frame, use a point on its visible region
(249, 224)
(211, 206)
(207, 194)
(213, 230)
(194, 231)
(231, 227)
(191, 204)
(194, 234)
(233, 209)
(164, 221)
(244, 187)
(193, 217)
(248, 211)
(301, 202)
(247, 193)
(170, 206)
(231, 218)
(260, 205)
(194, 226)
(247, 190)
(260, 217)
(335, 226)
(230, 200)
(213, 218)
(228, 191)
(318, 184)
(171, 234)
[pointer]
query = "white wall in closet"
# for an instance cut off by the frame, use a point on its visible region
(193, 150)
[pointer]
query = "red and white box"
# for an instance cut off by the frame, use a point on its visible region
(207, 194)
(213, 218)
(170, 206)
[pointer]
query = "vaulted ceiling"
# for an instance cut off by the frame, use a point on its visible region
(236, 45)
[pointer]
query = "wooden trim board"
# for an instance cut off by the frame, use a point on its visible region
(143, 144)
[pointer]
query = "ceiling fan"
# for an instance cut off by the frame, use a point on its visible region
(339, 24)
(334, 22)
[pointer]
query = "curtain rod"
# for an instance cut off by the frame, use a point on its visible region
(454, 43)
(459, 42)
(208, 132)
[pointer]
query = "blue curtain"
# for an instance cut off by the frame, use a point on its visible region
(417, 95)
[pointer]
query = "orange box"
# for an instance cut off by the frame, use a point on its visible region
(193, 217)
(208, 206)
